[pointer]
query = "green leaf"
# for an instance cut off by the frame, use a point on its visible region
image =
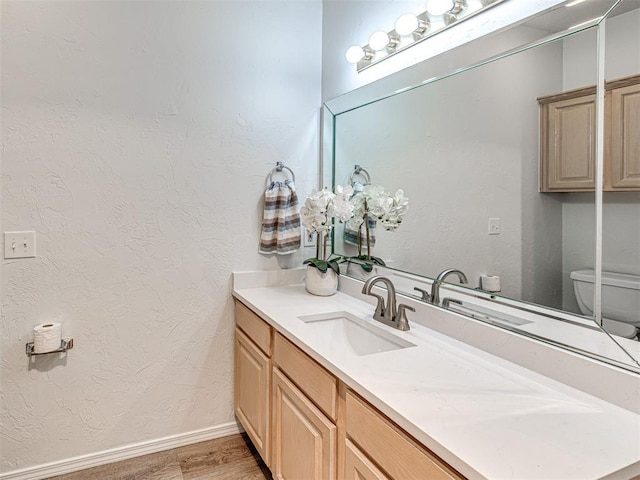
(378, 261)
(338, 258)
(367, 267)
(321, 265)
(333, 265)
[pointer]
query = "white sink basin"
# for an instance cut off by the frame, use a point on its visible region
(344, 332)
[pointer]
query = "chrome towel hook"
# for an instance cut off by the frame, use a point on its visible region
(359, 171)
(279, 168)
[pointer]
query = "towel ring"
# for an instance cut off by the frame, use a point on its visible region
(358, 170)
(279, 167)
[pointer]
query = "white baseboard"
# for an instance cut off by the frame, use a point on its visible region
(121, 453)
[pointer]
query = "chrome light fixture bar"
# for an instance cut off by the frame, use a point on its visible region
(412, 29)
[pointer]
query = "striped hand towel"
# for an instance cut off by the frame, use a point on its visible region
(351, 235)
(281, 219)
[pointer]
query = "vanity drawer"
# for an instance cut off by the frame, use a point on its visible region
(318, 384)
(394, 451)
(256, 329)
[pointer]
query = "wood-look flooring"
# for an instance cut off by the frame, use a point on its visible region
(228, 458)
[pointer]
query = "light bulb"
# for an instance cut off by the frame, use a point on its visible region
(439, 7)
(379, 40)
(354, 54)
(407, 24)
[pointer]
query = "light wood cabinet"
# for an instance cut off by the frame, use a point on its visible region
(304, 439)
(307, 425)
(392, 449)
(359, 467)
(252, 392)
(256, 329)
(568, 142)
(622, 155)
(318, 384)
(568, 138)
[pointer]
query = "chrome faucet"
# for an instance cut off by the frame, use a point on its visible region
(426, 296)
(435, 286)
(388, 314)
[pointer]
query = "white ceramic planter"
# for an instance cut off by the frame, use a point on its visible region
(322, 284)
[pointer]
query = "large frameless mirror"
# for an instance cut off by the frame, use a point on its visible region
(499, 163)
(620, 271)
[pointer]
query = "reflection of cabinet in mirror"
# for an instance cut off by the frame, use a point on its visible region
(568, 138)
(622, 141)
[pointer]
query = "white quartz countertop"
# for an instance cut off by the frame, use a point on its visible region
(485, 416)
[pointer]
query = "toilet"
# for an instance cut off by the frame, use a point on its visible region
(620, 300)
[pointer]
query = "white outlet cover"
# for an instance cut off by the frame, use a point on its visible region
(494, 226)
(19, 244)
(308, 239)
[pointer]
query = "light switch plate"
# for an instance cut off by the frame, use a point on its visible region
(19, 244)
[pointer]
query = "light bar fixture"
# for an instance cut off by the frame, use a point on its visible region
(411, 29)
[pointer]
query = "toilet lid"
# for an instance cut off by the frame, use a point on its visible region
(623, 280)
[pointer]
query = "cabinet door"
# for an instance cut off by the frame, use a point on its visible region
(568, 145)
(304, 439)
(313, 380)
(400, 456)
(624, 138)
(252, 392)
(359, 467)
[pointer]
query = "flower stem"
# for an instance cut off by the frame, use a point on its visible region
(326, 236)
(366, 226)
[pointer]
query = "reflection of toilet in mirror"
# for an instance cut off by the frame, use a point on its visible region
(620, 300)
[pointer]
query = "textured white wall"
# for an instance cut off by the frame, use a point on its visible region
(622, 45)
(136, 138)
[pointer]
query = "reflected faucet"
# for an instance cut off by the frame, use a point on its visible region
(435, 286)
(387, 313)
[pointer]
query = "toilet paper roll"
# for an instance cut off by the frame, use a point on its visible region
(47, 337)
(490, 283)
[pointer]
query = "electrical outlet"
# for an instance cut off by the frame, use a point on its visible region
(19, 244)
(494, 226)
(308, 239)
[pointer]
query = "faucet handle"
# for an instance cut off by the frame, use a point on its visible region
(447, 301)
(426, 296)
(401, 319)
(380, 308)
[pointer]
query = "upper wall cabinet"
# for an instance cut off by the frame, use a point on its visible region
(568, 141)
(622, 153)
(568, 138)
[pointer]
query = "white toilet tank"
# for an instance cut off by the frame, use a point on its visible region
(620, 295)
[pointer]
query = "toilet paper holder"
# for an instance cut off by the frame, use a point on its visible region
(64, 346)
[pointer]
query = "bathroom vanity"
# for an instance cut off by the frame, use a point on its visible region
(325, 392)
